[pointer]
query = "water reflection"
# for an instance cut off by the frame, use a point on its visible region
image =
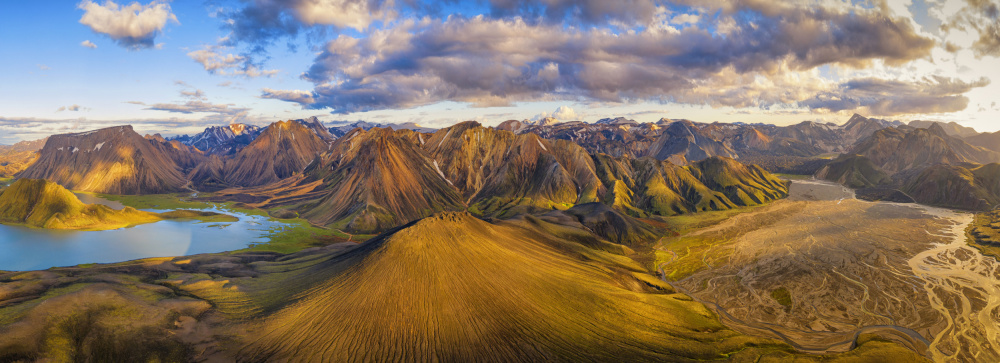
(34, 249)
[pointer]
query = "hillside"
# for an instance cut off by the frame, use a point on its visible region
(895, 149)
(17, 157)
(504, 287)
(283, 149)
(953, 186)
(375, 180)
(114, 160)
(854, 171)
(44, 204)
(987, 140)
(951, 128)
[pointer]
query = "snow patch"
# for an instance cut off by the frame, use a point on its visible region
(540, 144)
(60, 148)
(443, 138)
(439, 170)
(421, 138)
(75, 149)
(98, 146)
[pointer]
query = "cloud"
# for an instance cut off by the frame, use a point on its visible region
(227, 64)
(132, 26)
(197, 102)
(297, 96)
(578, 11)
(498, 62)
(71, 108)
(43, 67)
(88, 44)
(13, 129)
(979, 17)
(879, 97)
(565, 113)
(261, 22)
(195, 95)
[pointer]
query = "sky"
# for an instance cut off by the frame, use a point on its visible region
(176, 67)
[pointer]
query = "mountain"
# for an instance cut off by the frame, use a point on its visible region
(895, 150)
(44, 204)
(222, 140)
(341, 128)
(209, 175)
(684, 141)
(457, 288)
(370, 181)
(854, 171)
(607, 223)
(987, 140)
(411, 126)
(283, 149)
(17, 157)
(317, 127)
(377, 179)
(614, 139)
(953, 186)
(951, 128)
(616, 121)
(681, 142)
(114, 160)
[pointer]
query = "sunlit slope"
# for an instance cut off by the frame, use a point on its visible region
(645, 186)
(454, 288)
(17, 157)
(41, 203)
(114, 160)
(375, 180)
(284, 149)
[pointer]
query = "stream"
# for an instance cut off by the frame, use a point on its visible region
(963, 286)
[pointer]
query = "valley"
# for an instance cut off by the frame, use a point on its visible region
(820, 268)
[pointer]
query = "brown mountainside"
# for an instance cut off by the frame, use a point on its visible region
(284, 149)
(113, 160)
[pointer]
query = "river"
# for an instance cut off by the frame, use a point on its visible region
(963, 286)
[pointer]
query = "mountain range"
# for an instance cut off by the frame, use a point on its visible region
(367, 177)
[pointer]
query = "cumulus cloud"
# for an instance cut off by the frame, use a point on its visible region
(133, 26)
(978, 18)
(565, 113)
(88, 44)
(881, 97)
(215, 62)
(261, 22)
(297, 96)
(496, 62)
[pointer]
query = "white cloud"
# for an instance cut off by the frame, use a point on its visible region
(686, 19)
(88, 44)
(216, 62)
(133, 26)
(564, 113)
(298, 96)
(341, 13)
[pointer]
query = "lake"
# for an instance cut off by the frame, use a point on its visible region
(36, 249)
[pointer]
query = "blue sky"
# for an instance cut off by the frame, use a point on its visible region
(437, 63)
